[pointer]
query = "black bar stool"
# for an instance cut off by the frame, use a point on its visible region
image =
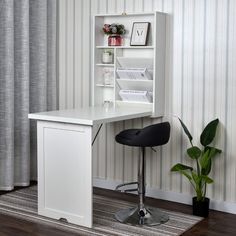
(150, 136)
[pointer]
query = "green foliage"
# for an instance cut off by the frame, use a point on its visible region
(203, 156)
(186, 131)
(194, 152)
(208, 134)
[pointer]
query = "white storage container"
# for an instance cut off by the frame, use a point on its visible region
(135, 95)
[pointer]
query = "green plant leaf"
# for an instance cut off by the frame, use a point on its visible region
(207, 169)
(194, 152)
(179, 167)
(196, 178)
(207, 179)
(183, 172)
(209, 132)
(213, 152)
(186, 130)
(206, 160)
(216, 150)
(205, 163)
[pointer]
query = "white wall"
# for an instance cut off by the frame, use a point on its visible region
(200, 86)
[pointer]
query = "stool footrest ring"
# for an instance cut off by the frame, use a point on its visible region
(126, 190)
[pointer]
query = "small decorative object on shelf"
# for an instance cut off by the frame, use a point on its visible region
(115, 40)
(107, 56)
(107, 104)
(114, 31)
(139, 34)
(107, 76)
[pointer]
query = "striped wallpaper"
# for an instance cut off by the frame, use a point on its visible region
(200, 86)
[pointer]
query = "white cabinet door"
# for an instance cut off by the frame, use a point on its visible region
(65, 172)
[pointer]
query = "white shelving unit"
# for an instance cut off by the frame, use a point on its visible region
(153, 54)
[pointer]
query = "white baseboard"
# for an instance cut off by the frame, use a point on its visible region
(228, 207)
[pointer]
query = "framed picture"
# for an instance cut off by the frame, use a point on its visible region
(139, 34)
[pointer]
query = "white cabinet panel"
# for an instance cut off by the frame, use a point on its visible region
(65, 173)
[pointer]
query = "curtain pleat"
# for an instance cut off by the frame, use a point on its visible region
(27, 83)
(52, 55)
(6, 92)
(38, 69)
(21, 95)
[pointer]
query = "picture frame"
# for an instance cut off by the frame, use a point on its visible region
(139, 35)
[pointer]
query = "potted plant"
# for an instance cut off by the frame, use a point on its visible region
(203, 157)
(114, 31)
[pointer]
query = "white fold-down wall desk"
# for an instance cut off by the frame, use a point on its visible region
(65, 159)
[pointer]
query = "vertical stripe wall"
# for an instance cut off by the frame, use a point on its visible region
(200, 86)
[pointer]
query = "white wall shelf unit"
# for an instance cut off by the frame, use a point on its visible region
(151, 57)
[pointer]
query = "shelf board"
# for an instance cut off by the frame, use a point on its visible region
(105, 65)
(127, 47)
(125, 14)
(105, 85)
(136, 80)
(134, 102)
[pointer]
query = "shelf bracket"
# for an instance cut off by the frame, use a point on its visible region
(95, 137)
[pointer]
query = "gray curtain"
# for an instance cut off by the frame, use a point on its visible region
(27, 83)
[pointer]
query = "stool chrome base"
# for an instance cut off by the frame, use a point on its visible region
(152, 216)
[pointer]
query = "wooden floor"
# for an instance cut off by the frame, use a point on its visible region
(217, 224)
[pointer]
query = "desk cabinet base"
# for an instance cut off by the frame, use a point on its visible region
(65, 172)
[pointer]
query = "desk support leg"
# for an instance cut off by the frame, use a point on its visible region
(65, 172)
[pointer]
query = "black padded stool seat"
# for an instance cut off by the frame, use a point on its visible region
(150, 136)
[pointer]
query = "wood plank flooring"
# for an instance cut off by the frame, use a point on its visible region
(217, 224)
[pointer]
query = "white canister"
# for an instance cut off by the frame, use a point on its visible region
(107, 57)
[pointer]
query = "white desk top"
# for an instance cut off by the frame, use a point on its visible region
(92, 115)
